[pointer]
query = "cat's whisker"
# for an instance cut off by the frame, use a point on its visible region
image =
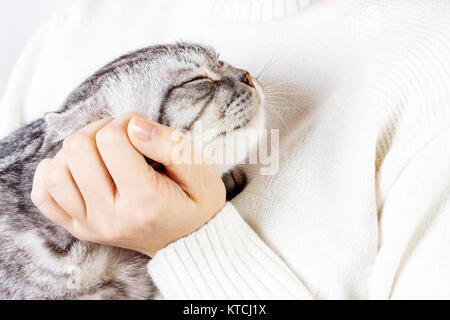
(281, 109)
(281, 104)
(264, 69)
(271, 85)
(289, 104)
(237, 111)
(280, 99)
(275, 105)
(109, 112)
(218, 124)
(276, 98)
(278, 83)
(280, 118)
(272, 109)
(280, 93)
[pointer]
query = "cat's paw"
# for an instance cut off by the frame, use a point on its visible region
(235, 181)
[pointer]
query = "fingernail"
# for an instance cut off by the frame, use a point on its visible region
(143, 129)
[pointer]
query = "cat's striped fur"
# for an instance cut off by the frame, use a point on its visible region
(178, 85)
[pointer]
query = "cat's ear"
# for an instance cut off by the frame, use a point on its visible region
(62, 124)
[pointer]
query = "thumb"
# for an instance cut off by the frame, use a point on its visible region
(174, 150)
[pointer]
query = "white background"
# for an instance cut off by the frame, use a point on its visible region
(19, 19)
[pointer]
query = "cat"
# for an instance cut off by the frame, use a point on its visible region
(180, 85)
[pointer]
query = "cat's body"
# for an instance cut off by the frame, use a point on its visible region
(182, 86)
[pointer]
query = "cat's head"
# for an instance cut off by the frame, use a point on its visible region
(184, 86)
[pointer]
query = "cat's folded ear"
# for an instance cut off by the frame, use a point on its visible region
(63, 123)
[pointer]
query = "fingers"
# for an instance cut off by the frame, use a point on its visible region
(44, 201)
(76, 189)
(168, 146)
(63, 189)
(128, 168)
(87, 167)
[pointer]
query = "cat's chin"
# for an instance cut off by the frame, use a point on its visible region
(224, 156)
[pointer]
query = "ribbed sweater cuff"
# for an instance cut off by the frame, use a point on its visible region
(224, 259)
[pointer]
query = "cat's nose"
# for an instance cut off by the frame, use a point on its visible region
(247, 79)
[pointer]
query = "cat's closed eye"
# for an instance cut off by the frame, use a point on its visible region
(200, 78)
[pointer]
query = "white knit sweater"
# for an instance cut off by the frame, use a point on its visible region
(360, 207)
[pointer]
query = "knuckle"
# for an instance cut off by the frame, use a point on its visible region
(109, 136)
(220, 188)
(179, 140)
(145, 216)
(107, 228)
(150, 222)
(107, 234)
(152, 216)
(78, 232)
(113, 233)
(37, 197)
(75, 143)
(177, 150)
(221, 196)
(216, 198)
(54, 177)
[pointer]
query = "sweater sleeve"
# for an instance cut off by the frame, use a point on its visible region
(224, 259)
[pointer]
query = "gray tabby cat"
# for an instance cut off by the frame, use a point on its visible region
(182, 86)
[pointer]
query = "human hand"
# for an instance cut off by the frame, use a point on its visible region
(100, 188)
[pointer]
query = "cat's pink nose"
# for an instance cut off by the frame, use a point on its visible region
(247, 79)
